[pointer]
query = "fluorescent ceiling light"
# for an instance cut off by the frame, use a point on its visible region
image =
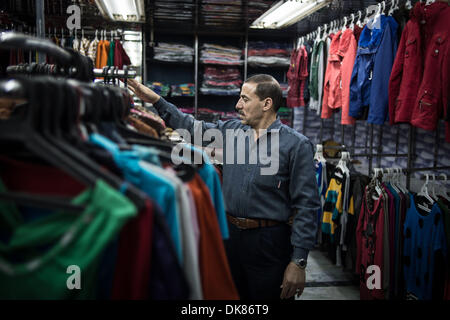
(122, 10)
(285, 13)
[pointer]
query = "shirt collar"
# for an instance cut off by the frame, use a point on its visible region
(275, 125)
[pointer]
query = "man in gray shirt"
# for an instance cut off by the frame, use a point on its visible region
(269, 185)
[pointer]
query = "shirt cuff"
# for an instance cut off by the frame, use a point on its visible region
(300, 253)
(159, 104)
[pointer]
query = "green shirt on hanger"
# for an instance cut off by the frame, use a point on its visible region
(34, 263)
(111, 54)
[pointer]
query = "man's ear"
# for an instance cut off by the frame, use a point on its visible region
(268, 103)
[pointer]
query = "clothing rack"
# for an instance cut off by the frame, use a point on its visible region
(410, 155)
(51, 69)
(386, 7)
(112, 72)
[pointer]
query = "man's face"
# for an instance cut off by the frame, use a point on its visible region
(249, 107)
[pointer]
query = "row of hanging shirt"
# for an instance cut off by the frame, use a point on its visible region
(337, 210)
(103, 50)
(406, 234)
(379, 222)
(348, 70)
(137, 226)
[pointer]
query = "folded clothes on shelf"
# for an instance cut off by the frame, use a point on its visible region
(220, 92)
(185, 90)
(217, 54)
(160, 88)
(172, 52)
(221, 81)
(268, 54)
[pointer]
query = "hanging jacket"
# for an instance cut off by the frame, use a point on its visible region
(297, 73)
(370, 77)
(331, 86)
(120, 56)
(316, 75)
(110, 61)
(419, 85)
(337, 86)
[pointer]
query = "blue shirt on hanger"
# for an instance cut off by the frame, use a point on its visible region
(369, 84)
(158, 188)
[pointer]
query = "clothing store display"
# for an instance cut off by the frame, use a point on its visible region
(217, 54)
(317, 76)
(183, 90)
(268, 54)
(376, 52)
(165, 242)
(121, 58)
(424, 236)
(341, 59)
(130, 169)
(416, 94)
(297, 74)
(172, 52)
(386, 227)
(221, 81)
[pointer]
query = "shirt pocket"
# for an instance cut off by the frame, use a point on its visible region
(410, 48)
(438, 45)
(270, 182)
(428, 104)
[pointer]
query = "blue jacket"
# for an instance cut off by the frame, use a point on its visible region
(369, 84)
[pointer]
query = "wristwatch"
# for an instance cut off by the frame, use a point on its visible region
(301, 263)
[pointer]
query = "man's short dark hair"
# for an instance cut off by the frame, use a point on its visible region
(267, 87)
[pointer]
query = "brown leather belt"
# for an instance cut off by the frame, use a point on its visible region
(246, 223)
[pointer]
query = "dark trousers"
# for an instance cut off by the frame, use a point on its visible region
(258, 258)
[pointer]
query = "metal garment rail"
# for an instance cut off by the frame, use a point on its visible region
(410, 155)
(115, 73)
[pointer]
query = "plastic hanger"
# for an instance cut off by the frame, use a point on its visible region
(352, 24)
(394, 182)
(424, 190)
(408, 5)
(319, 154)
(442, 191)
(359, 22)
(397, 182)
(376, 181)
(433, 187)
(25, 132)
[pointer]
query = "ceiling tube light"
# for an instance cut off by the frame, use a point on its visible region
(287, 12)
(122, 10)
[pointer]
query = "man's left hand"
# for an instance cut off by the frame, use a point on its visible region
(293, 281)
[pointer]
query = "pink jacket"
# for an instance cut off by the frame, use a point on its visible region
(341, 59)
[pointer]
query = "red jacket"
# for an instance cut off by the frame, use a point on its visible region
(296, 75)
(419, 84)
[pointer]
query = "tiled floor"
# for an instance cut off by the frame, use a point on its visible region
(326, 281)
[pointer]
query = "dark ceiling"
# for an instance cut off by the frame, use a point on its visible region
(187, 16)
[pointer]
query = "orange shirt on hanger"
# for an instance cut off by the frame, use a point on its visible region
(217, 282)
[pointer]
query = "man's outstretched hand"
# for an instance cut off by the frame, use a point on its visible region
(142, 92)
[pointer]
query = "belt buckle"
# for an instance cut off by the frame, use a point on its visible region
(241, 222)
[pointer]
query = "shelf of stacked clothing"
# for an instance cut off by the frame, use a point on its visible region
(268, 54)
(221, 81)
(174, 90)
(173, 52)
